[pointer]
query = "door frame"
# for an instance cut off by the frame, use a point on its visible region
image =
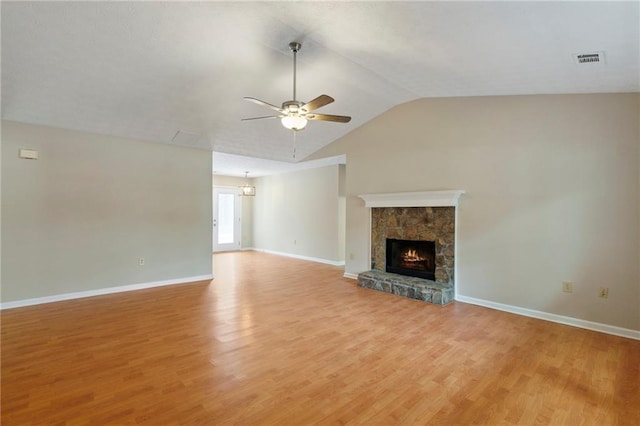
(237, 205)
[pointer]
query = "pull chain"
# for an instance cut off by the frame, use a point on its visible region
(294, 144)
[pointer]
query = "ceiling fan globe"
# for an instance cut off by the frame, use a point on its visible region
(293, 121)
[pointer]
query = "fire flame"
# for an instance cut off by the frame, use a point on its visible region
(412, 256)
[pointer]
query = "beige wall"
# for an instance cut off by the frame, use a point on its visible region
(247, 206)
(298, 213)
(553, 194)
(79, 218)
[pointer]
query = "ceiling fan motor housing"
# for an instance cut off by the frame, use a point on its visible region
(293, 106)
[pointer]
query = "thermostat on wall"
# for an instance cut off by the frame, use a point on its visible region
(29, 154)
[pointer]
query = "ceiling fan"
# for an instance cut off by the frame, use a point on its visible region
(294, 114)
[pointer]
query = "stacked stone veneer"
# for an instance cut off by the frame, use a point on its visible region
(413, 223)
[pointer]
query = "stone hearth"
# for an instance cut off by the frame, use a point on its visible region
(413, 288)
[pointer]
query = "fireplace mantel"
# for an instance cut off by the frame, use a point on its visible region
(413, 199)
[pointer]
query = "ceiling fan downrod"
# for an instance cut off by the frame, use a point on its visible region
(294, 46)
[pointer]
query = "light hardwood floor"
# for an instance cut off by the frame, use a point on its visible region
(274, 340)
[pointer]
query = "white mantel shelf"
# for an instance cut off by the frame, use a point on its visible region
(413, 199)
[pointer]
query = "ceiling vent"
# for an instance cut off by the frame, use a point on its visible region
(589, 58)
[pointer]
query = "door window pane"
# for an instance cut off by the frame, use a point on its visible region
(225, 218)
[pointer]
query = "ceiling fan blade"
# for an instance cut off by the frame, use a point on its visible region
(260, 118)
(318, 102)
(263, 103)
(328, 117)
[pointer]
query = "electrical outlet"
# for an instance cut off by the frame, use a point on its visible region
(567, 286)
(351, 256)
(604, 292)
(141, 261)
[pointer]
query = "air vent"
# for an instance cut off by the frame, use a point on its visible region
(589, 58)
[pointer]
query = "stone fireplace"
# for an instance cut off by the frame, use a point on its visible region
(435, 224)
(422, 227)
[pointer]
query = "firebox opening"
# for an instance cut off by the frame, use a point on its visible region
(412, 258)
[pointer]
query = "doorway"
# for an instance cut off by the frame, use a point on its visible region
(227, 219)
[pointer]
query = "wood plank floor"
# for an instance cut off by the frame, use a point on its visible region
(274, 340)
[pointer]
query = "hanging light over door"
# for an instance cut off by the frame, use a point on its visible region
(247, 190)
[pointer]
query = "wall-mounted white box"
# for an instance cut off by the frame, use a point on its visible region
(28, 154)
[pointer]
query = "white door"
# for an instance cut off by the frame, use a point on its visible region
(226, 219)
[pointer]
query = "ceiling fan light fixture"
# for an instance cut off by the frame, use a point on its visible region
(294, 122)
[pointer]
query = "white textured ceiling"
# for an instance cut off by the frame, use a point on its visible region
(145, 70)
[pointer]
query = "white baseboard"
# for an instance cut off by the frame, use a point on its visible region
(575, 322)
(297, 256)
(350, 275)
(100, 292)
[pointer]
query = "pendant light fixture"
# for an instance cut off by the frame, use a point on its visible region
(247, 190)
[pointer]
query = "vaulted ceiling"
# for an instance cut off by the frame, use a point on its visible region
(147, 70)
